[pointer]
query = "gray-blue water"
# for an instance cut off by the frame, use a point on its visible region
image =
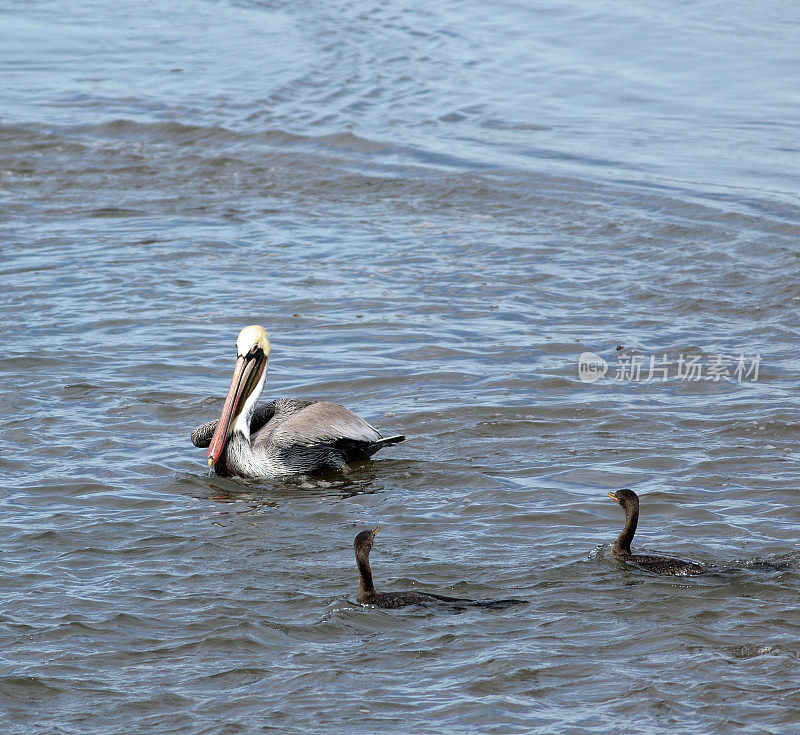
(434, 209)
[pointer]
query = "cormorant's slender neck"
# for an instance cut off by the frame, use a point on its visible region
(365, 582)
(623, 543)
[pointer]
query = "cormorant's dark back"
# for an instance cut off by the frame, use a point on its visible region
(621, 548)
(368, 596)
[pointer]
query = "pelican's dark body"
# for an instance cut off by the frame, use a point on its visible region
(292, 436)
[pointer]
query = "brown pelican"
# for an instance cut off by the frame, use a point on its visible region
(286, 436)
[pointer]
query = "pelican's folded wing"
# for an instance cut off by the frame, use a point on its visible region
(326, 424)
(323, 423)
(201, 436)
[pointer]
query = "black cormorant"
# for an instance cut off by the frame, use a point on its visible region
(621, 548)
(368, 596)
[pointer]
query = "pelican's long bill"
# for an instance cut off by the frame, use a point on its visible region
(253, 351)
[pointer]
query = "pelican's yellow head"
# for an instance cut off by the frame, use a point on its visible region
(250, 337)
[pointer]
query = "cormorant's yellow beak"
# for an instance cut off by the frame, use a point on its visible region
(378, 528)
(613, 496)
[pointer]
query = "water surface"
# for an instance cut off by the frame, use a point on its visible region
(434, 210)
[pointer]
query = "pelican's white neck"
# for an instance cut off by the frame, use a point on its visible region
(242, 422)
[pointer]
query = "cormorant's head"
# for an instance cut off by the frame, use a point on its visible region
(625, 497)
(364, 540)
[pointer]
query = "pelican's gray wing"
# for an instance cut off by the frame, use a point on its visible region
(262, 415)
(320, 435)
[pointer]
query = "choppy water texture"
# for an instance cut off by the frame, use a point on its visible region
(434, 209)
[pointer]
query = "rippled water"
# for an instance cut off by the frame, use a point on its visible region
(434, 209)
